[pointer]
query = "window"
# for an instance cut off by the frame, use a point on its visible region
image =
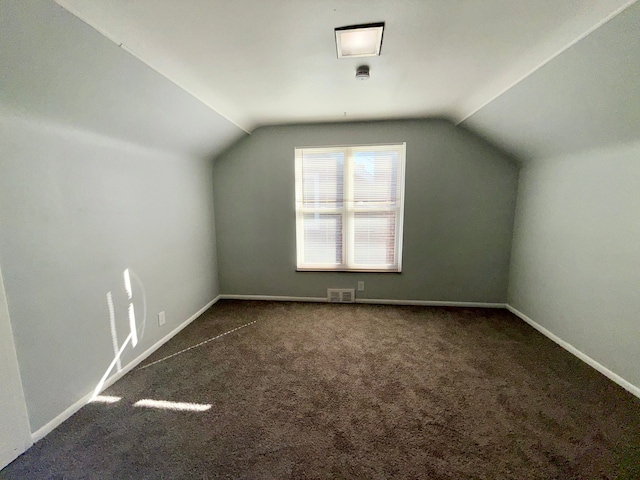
(349, 208)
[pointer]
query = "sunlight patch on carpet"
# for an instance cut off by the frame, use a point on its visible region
(105, 399)
(178, 406)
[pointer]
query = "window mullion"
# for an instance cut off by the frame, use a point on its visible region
(347, 234)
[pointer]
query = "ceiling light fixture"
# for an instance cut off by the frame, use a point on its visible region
(359, 40)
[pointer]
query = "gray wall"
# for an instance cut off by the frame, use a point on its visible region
(576, 253)
(104, 165)
(75, 213)
(459, 206)
(15, 434)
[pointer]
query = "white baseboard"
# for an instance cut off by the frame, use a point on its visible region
(52, 424)
(631, 388)
(430, 303)
(273, 298)
(376, 301)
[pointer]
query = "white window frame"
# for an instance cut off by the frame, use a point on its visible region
(348, 211)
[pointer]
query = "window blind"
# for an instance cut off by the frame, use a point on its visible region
(349, 207)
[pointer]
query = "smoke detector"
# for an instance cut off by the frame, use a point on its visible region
(362, 72)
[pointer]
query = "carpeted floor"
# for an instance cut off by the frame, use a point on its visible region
(352, 391)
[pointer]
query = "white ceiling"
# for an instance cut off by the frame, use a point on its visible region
(259, 62)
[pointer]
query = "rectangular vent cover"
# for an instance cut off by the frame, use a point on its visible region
(341, 295)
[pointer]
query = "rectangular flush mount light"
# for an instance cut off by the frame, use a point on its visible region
(359, 40)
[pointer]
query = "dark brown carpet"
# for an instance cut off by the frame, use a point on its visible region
(352, 391)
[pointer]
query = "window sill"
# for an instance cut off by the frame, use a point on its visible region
(347, 270)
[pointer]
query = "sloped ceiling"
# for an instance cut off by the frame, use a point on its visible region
(260, 62)
(538, 77)
(60, 73)
(584, 99)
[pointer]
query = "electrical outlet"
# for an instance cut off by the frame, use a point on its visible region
(361, 286)
(161, 318)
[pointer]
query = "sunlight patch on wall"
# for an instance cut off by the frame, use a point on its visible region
(136, 332)
(127, 283)
(114, 333)
(132, 313)
(102, 381)
(132, 325)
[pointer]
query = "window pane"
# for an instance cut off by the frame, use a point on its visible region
(375, 179)
(349, 207)
(374, 238)
(322, 179)
(322, 238)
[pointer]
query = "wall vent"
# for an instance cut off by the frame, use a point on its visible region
(341, 295)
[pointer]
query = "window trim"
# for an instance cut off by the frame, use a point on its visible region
(348, 211)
